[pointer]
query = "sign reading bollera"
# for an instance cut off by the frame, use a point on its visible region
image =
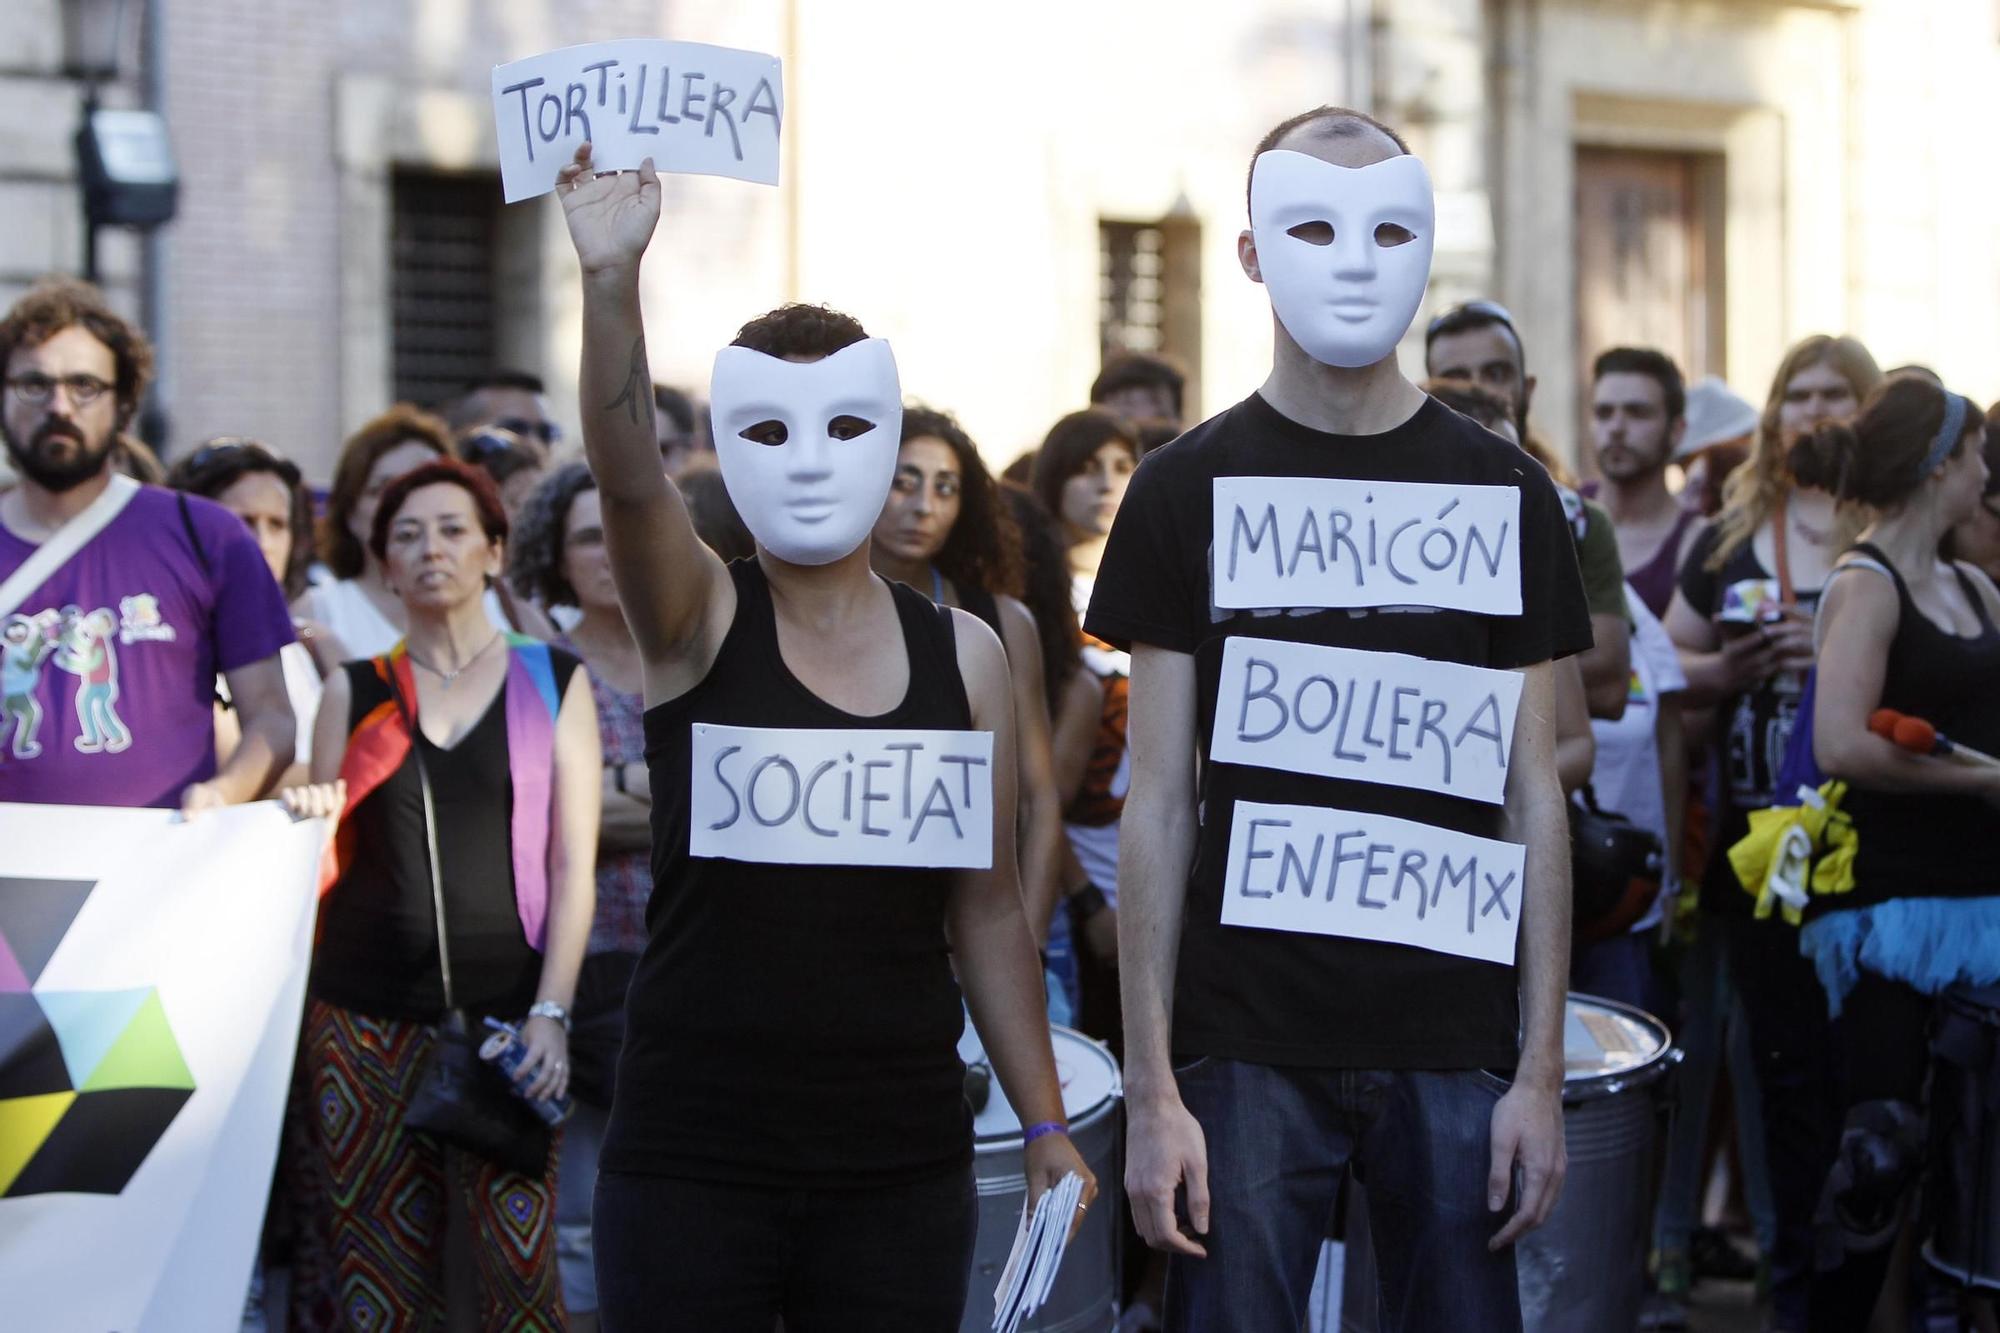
(693, 108)
(842, 797)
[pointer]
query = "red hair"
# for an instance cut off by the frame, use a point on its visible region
(444, 472)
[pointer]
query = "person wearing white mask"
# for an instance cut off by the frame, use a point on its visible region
(1301, 990)
(788, 1138)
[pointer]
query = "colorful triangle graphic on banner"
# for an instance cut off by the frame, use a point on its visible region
(13, 977)
(144, 1056)
(25, 1124)
(35, 914)
(88, 1024)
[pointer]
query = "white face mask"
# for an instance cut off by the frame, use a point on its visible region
(1331, 246)
(812, 475)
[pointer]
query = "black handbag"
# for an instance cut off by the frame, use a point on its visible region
(461, 1100)
(1616, 868)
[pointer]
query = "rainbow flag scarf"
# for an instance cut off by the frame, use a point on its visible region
(381, 742)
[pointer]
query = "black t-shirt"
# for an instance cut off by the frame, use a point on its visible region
(377, 951)
(791, 1025)
(1752, 729)
(1275, 996)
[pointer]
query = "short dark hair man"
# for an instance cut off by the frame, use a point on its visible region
(1287, 1008)
(1477, 341)
(510, 399)
(1638, 414)
(121, 603)
(1140, 386)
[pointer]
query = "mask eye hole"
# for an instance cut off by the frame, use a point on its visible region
(1392, 234)
(1313, 233)
(771, 432)
(848, 427)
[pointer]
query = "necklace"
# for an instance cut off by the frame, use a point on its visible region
(450, 678)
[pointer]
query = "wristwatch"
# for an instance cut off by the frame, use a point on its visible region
(550, 1009)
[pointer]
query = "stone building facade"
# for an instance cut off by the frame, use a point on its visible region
(1003, 191)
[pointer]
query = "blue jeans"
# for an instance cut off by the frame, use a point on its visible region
(1279, 1140)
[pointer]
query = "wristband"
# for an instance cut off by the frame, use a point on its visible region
(1044, 1129)
(552, 1010)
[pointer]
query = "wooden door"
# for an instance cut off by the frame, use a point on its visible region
(1648, 271)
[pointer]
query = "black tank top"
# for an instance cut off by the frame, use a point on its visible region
(791, 1025)
(984, 605)
(377, 949)
(1930, 845)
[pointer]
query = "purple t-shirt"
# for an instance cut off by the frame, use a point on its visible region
(107, 671)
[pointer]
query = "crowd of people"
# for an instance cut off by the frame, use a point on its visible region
(489, 657)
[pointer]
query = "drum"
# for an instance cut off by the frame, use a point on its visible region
(1085, 1297)
(1585, 1268)
(1963, 1185)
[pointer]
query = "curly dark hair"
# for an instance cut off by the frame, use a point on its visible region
(225, 460)
(1045, 589)
(404, 422)
(983, 548)
(61, 303)
(443, 472)
(535, 557)
(800, 330)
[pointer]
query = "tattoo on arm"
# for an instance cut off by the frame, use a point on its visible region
(637, 394)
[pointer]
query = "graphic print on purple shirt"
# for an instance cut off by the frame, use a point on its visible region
(107, 671)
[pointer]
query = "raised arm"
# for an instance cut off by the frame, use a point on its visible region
(677, 596)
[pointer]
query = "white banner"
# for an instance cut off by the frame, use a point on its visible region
(707, 110)
(152, 975)
(1372, 717)
(1284, 542)
(861, 797)
(1372, 877)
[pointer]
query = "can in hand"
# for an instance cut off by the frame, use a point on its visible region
(506, 1049)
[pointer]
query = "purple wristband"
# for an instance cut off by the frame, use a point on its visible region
(1034, 1132)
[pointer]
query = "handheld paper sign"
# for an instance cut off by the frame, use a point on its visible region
(808, 450)
(1345, 252)
(705, 110)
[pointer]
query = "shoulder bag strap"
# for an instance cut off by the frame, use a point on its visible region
(65, 542)
(430, 836)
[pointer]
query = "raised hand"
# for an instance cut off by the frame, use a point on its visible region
(611, 217)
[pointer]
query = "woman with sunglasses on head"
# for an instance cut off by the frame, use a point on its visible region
(358, 606)
(517, 463)
(558, 559)
(265, 490)
(464, 766)
(945, 532)
(1900, 627)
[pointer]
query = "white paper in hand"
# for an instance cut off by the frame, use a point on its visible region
(1030, 1274)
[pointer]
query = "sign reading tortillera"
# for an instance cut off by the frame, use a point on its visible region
(706, 110)
(1322, 542)
(861, 797)
(1372, 877)
(1373, 717)
(155, 970)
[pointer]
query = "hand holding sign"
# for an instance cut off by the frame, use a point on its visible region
(611, 217)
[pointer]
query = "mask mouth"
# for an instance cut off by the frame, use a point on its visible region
(1352, 308)
(812, 509)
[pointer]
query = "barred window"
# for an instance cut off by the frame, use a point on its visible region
(444, 244)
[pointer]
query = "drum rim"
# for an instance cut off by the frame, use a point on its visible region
(1087, 1119)
(1596, 1087)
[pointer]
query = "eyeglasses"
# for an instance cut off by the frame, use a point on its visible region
(548, 432)
(36, 388)
(487, 444)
